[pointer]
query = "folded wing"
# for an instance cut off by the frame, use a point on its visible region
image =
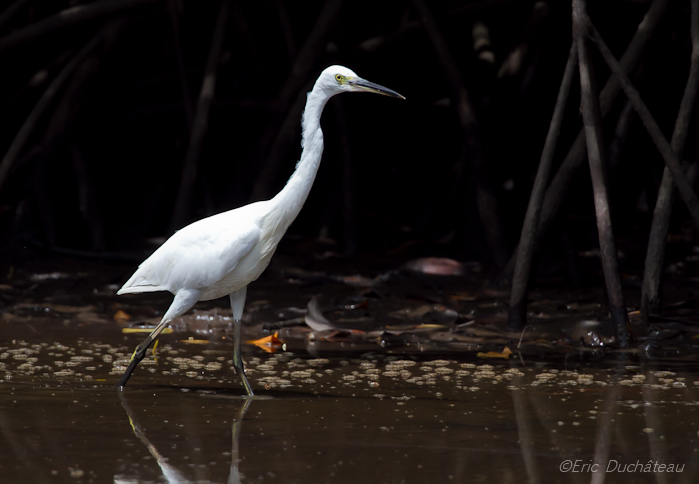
(198, 256)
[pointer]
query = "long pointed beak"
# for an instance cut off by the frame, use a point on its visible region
(362, 85)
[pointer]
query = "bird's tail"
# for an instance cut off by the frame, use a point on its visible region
(138, 284)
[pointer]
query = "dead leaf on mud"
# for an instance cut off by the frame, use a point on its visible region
(269, 344)
(121, 316)
(437, 266)
(506, 353)
(144, 330)
(192, 341)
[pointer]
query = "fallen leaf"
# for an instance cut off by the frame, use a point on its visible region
(269, 344)
(506, 353)
(193, 341)
(121, 316)
(144, 330)
(438, 266)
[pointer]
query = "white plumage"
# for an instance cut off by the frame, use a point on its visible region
(218, 254)
(222, 254)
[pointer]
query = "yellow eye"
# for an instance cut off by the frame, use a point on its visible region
(339, 78)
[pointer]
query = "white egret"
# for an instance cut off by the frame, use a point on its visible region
(223, 253)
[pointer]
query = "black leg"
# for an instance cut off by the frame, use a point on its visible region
(136, 358)
(238, 359)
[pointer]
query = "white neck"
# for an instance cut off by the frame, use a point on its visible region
(288, 202)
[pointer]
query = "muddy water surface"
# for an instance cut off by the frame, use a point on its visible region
(365, 418)
(403, 381)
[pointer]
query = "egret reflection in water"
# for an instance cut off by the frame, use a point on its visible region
(169, 472)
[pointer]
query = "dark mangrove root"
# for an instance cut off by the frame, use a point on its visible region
(655, 253)
(525, 249)
(592, 124)
(558, 188)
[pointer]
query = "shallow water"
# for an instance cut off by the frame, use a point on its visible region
(400, 395)
(366, 418)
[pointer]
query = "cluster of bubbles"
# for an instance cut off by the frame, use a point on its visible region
(182, 363)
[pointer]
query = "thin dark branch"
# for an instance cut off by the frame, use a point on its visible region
(11, 10)
(275, 140)
(373, 44)
(245, 36)
(60, 127)
(179, 57)
(285, 26)
(655, 253)
(200, 122)
(684, 187)
(132, 257)
(68, 18)
(525, 250)
(621, 134)
(87, 200)
(516, 60)
(47, 97)
(485, 198)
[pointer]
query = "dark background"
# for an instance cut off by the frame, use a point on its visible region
(101, 169)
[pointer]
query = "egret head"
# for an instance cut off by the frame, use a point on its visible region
(337, 79)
